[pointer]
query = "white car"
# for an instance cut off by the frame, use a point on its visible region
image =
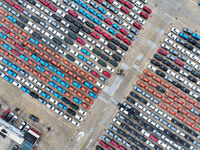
(39, 14)
(197, 67)
(168, 41)
(53, 100)
(132, 15)
(176, 46)
(37, 90)
(100, 85)
(108, 52)
(79, 117)
(109, 15)
(60, 35)
(159, 127)
(98, 68)
(193, 94)
(152, 68)
(40, 30)
(26, 128)
(21, 79)
(2, 74)
(62, 52)
(68, 118)
(78, 63)
(121, 15)
(194, 57)
(110, 69)
(30, 8)
(149, 143)
(174, 30)
(59, 112)
(4, 68)
(61, 12)
(94, 57)
(139, 4)
(101, 47)
(34, 80)
(126, 26)
(88, 46)
(17, 84)
(1, 58)
(74, 7)
(77, 46)
(32, 24)
(28, 29)
(51, 107)
(81, 18)
(83, 112)
(141, 21)
(120, 52)
(91, 40)
(183, 73)
(196, 89)
(198, 83)
(65, 23)
(48, 35)
(117, 5)
(171, 73)
(47, 19)
(179, 78)
(29, 84)
(144, 1)
(82, 34)
(104, 26)
(39, 6)
(124, 110)
(196, 51)
(165, 46)
(41, 84)
(188, 84)
(52, 30)
(116, 121)
(191, 63)
(22, 125)
(76, 123)
(73, 52)
(65, 8)
(129, 20)
(103, 41)
(172, 36)
(186, 52)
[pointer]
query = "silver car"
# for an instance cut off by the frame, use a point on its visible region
(171, 57)
(105, 4)
(187, 68)
(173, 52)
(105, 138)
(7, 7)
(90, 63)
(113, 127)
(15, 13)
(103, 79)
(94, 4)
(182, 57)
(87, 68)
(114, 10)
(168, 79)
(110, 132)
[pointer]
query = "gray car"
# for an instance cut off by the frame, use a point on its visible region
(127, 105)
(168, 79)
(120, 116)
(105, 138)
(45, 41)
(110, 132)
(86, 68)
(187, 68)
(67, 2)
(118, 138)
(22, 3)
(24, 73)
(156, 132)
(94, 4)
(118, 20)
(1, 3)
(48, 89)
(146, 95)
(7, 7)
(130, 36)
(103, 79)
(114, 10)
(27, 14)
(137, 89)
(179, 40)
(90, 63)
(188, 31)
(54, 47)
(15, 13)
(134, 31)
(173, 52)
(41, 100)
(44, 25)
(55, 24)
(105, 4)
(182, 57)
(171, 57)
(113, 127)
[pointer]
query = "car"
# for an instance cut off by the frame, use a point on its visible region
(127, 41)
(196, 36)
(184, 36)
(107, 36)
(174, 30)
(162, 52)
(137, 26)
(80, 41)
(179, 62)
(34, 118)
(188, 31)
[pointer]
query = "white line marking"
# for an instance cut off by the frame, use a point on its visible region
(80, 135)
(89, 143)
(170, 16)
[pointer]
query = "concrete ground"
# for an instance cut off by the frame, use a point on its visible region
(63, 135)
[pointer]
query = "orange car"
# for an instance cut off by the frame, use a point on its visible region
(157, 94)
(86, 106)
(22, 41)
(83, 74)
(36, 74)
(165, 84)
(69, 95)
(141, 84)
(182, 111)
(191, 116)
(2, 20)
(166, 100)
(173, 89)
(187, 122)
(152, 84)
(195, 127)
(30, 47)
(197, 121)
(1, 42)
(3, 13)
(189, 100)
(3, 52)
(96, 90)
(91, 79)
(55, 63)
(14, 35)
(156, 79)
(8, 24)
(47, 57)
(27, 52)
(197, 105)
(80, 95)
(20, 63)
(163, 106)
(32, 63)
(67, 63)
(25, 35)
(28, 68)
(42, 46)
(75, 68)
(44, 79)
(149, 89)
(48, 73)
(71, 74)
(176, 99)
(12, 57)
(147, 73)
(171, 111)
(50, 52)
(63, 68)
(178, 116)
(69, 79)
(80, 79)
(181, 95)
(174, 105)
(89, 100)
(10, 41)
(39, 52)
(169, 95)
(18, 31)
(187, 106)
(84, 89)
(58, 57)
(144, 78)
(72, 89)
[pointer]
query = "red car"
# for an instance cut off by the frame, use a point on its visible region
(153, 138)
(52, 7)
(5, 114)
(19, 47)
(103, 144)
(80, 41)
(127, 4)
(99, 1)
(162, 52)
(4, 29)
(107, 74)
(96, 36)
(120, 36)
(179, 62)
(107, 36)
(19, 8)
(110, 148)
(124, 10)
(123, 31)
(44, 2)
(144, 15)
(122, 148)
(110, 1)
(121, 1)
(98, 30)
(15, 52)
(10, 2)
(72, 13)
(108, 21)
(127, 42)
(114, 143)
(94, 73)
(137, 25)
(146, 9)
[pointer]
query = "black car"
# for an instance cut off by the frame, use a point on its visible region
(106, 58)
(134, 95)
(176, 84)
(133, 147)
(175, 121)
(70, 57)
(68, 41)
(158, 57)
(125, 126)
(160, 73)
(192, 41)
(130, 138)
(116, 57)
(16, 147)
(124, 47)
(185, 144)
(169, 133)
(79, 25)
(195, 73)
(137, 127)
(154, 62)
(116, 42)
(32, 2)
(174, 67)
(21, 25)
(121, 132)
(142, 138)
(99, 148)
(69, 18)
(102, 63)
(89, 24)
(142, 123)
(132, 116)
(166, 62)
(114, 63)
(128, 121)
(74, 106)
(198, 45)
(23, 19)
(66, 100)
(36, 35)
(73, 36)
(57, 41)
(189, 138)
(191, 78)
(97, 52)
(86, 30)
(34, 118)
(35, 19)
(142, 100)
(157, 147)
(9, 117)
(111, 46)
(188, 46)
(34, 95)
(74, 29)
(163, 68)
(56, 17)
(71, 112)
(130, 100)
(160, 89)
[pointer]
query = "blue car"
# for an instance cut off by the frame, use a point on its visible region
(93, 11)
(23, 57)
(97, 21)
(88, 84)
(43, 63)
(53, 84)
(12, 73)
(100, 17)
(40, 68)
(78, 2)
(7, 62)
(64, 84)
(56, 78)
(81, 57)
(45, 95)
(116, 27)
(77, 100)
(85, 6)
(199, 3)
(82, 11)
(7, 47)
(9, 79)
(93, 95)
(11, 18)
(60, 73)
(35, 57)
(184, 36)
(89, 17)
(112, 31)
(101, 10)
(52, 68)
(34, 41)
(57, 95)
(62, 106)
(3, 36)
(23, 88)
(76, 84)
(85, 52)
(15, 67)
(196, 36)
(61, 89)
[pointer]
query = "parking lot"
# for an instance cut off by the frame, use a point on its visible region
(149, 40)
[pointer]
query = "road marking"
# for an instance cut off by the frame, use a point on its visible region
(126, 74)
(170, 16)
(89, 143)
(194, 2)
(117, 87)
(80, 135)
